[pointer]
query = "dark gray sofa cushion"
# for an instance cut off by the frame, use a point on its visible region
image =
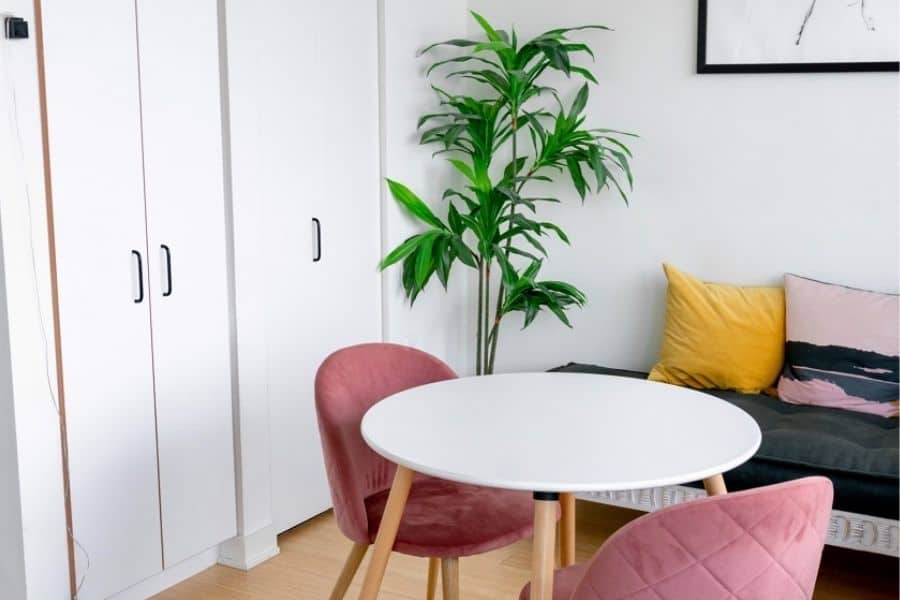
(858, 452)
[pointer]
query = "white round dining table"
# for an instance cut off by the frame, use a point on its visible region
(552, 434)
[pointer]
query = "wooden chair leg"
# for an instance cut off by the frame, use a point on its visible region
(714, 485)
(450, 578)
(433, 565)
(387, 533)
(351, 565)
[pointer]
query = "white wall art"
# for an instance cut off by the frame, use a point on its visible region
(766, 36)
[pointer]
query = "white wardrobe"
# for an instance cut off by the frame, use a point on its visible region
(136, 160)
(304, 89)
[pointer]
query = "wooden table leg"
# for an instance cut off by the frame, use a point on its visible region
(567, 530)
(542, 552)
(450, 578)
(714, 485)
(434, 566)
(387, 533)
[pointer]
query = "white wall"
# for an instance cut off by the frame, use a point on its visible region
(12, 539)
(739, 178)
(439, 322)
(26, 397)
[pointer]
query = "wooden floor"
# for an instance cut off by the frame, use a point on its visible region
(313, 553)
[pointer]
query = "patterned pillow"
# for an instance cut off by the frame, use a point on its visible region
(842, 347)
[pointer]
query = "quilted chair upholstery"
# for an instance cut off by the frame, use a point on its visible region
(759, 544)
(442, 519)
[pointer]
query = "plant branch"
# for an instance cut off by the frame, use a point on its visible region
(486, 315)
(495, 331)
(478, 336)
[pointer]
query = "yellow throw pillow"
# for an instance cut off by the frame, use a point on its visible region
(721, 336)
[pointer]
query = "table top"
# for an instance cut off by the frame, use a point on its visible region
(561, 432)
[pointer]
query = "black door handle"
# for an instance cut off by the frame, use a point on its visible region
(317, 252)
(168, 252)
(140, 274)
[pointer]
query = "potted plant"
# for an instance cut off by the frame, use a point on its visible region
(491, 224)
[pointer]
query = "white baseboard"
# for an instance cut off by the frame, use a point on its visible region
(171, 576)
(846, 530)
(246, 551)
(241, 552)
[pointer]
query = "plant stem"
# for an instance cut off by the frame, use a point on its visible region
(486, 315)
(478, 335)
(495, 331)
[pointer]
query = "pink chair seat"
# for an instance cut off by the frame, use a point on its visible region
(445, 519)
(565, 581)
(442, 519)
(759, 544)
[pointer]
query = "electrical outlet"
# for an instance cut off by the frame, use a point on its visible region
(15, 28)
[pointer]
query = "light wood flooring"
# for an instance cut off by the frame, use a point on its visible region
(312, 555)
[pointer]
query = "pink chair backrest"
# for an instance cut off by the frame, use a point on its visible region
(348, 383)
(759, 544)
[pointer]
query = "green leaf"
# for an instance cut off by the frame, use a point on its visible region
(559, 232)
(579, 47)
(566, 30)
(532, 270)
(533, 241)
(471, 204)
(622, 160)
(413, 204)
(576, 295)
(491, 33)
(401, 251)
(455, 42)
(577, 176)
(558, 59)
(510, 277)
(531, 311)
(462, 59)
(619, 187)
(443, 260)
(580, 102)
(463, 168)
(584, 73)
(425, 260)
(520, 252)
(453, 219)
(497, 46)
(463, 252)
(617, 143)
(560, 314)
(512, 169)
(595, 160)
(409, 279)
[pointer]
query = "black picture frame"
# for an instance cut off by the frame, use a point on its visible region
(704, 67)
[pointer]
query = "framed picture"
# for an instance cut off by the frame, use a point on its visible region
(798, 36)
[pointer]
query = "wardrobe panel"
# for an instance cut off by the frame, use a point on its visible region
(101, 249)
(317, 102)
(293, 121)
(189, 289)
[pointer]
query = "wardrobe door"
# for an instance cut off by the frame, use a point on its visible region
(189, 290)
(349, 204)
(98, 200)
(292, 113)
(318, 119)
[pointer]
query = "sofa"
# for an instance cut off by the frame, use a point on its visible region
(857, 451)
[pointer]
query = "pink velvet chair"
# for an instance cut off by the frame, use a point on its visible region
(761, 544)
(443, 520)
